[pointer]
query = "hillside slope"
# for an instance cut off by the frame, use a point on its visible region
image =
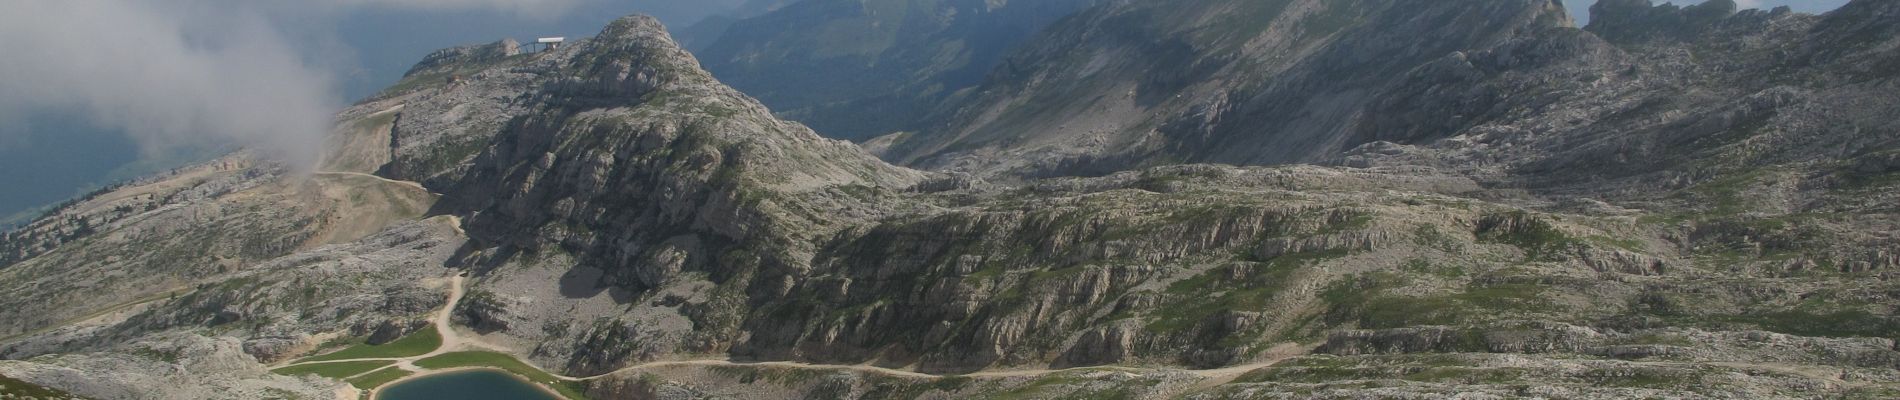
(1504, 89)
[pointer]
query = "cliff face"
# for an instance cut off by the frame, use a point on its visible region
(646, 174)
(639, 148)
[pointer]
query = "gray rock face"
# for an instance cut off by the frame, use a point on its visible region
(163, 236)
(213, 341)
(280, 307)
(173, 366)
(88, 215)
(645, 158)
(656, 173)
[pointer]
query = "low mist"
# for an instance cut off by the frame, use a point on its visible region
(165, 77)
(197, 74)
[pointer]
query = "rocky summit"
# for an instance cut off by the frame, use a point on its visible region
(1145, 199)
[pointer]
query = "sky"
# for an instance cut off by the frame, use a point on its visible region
(99, 91)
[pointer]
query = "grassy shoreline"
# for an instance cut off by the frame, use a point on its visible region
(415, 344)
(507, 363)
(555, 391)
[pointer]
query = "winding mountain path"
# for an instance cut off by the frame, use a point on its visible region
(1227, 373)
(453, 341)
(412, 184)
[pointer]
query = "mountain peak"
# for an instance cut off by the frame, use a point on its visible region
(636, 25)
(635, 146)
(641, 33)
(631, 57)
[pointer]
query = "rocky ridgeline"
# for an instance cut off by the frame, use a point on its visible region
(213, 341)
(440, 115)
(456, 58)
(105, 208)
(198, 226)
(154, 228)
(166, 366)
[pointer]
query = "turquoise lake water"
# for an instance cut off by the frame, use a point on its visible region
(467, 385)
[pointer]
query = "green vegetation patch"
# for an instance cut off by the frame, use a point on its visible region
(18, 389)
(488, 359)
(1626, 244)
(1068, 386)
(1435, 374)
(1467, 375)
(1428, 235)
(415, 344)
(1200, 297)
(379, 378)
(1318, 369)
(1749, 238)
(441, 156)
(1660, 339)
(1820, 314)
(336, 370)
(1851, 181)
(783, 376)
(1438, 368)
(894, 388)
(1367, 301)
(877, 386)
(439, 76)
(1727, 195)
(1539, 239)
(1871, 393)
(1822, 323)
(1424, 266)
(1650, 378)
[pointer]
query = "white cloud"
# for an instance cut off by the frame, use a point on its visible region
(166, 76)
(193, 72)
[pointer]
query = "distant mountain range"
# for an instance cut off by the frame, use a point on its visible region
(858, 69)
(1208, 199)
